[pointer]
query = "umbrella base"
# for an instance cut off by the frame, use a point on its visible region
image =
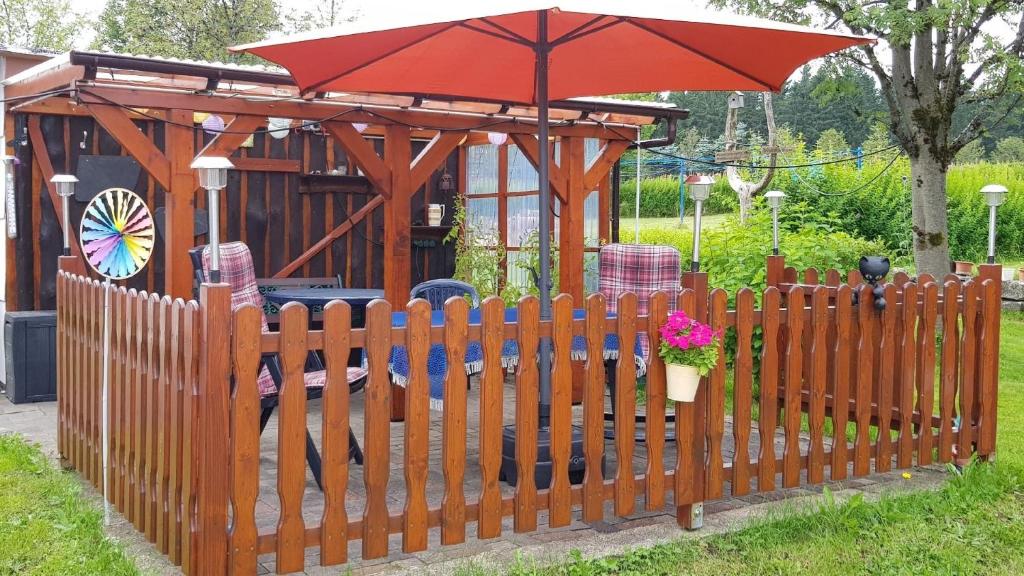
(542, 474)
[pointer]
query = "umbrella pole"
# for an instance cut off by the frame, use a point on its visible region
(544, 199)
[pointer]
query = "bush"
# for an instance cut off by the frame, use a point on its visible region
(659, 198)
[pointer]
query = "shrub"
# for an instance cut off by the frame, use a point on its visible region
(659, 198)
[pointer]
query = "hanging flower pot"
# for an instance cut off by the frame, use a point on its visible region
(690, 350)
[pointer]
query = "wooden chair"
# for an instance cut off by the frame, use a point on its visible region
(642, 270)
(237, 270)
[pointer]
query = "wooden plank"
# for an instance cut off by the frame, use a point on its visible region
(926, 370)
(163, 417)
(417, 427)
(335, 434)
(559, 496)
(841, 380)
(768, 407)
(327, 240)
(818, 373)
(714, 487)
(189, 456)
(527, 144)
(138, 403)
(245, 440)
(570, 268)
(291, 438)
(886, 381)
(865, 355)
(433, 155)
(114, 394)
(151, 422)
(397, 217)
(377, 433)
(361, 153)
(968, 370)
(948, 370)
(988, 363)
(905, 440)
(625, 406)
(453, 425)
(41, 156)
(179, 205)
(656, 398)
(492, 380)
(793, 371)
(743, 392)
(175, 449)
(593, 410)
(117, 122)
(606, 158)
(526, 416)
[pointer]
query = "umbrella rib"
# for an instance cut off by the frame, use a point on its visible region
(582, 30)
(701, 53)
(512, 36)
(372, 61)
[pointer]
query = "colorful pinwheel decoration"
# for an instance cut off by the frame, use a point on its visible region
(117, 233)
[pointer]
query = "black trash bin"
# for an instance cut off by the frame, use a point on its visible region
(31, 356)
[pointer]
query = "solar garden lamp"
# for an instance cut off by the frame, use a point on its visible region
(64, 185)
(995, 196)
(774, 198)
(213, 176)
(700, 190)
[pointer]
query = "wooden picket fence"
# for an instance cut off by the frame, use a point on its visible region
(877, 388)
(154, 357)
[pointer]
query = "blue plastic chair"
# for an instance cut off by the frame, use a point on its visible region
(438, 291)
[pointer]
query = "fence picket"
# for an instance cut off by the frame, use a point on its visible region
(113, 470)
(492, 380)
(560, 495)
(887, 346)
(593, 410)
(793, 372)
(743, 392)
(926, 370)
(968, 369)
(905, 440)
(377, 431)
(817, 385)
(245, 440)
(335, 433)
(189, 411)
(988, 364)
(625, 406)
(841, 382)
(686, 445)
(656, 396)
(526, 417)
(715, 472)
(865, 359)
(291, 438)
(152, 415)
(174, 454)
(163, 415)
(947, 371)
(138, 401)
(453, 425)
(417, 427)
(768, 407)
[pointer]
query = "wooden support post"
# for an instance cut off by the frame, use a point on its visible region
(992, 315)
(570, 244)
(397, 228)
(179, 229)
(691, 515)
(210, 539)
(776, 268)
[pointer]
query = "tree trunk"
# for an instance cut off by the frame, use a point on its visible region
(930, 228)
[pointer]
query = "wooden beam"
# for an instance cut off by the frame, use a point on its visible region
(116, 121)
(179, 228)
(606, 158)
(155, 99)
(45, 81)
(363, 155)
(531, 150)
(267, 165)
(570, 246)
(35, 135)
(433, 156)
(234, 135)
(333, 235)
(398, 217)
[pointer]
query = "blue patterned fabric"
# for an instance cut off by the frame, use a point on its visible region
(437, 360)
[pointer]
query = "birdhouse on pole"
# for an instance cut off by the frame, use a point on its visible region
(735, 100)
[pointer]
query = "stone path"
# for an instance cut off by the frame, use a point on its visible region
(613, 535)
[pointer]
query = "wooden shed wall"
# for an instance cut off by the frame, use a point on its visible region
(262, 208)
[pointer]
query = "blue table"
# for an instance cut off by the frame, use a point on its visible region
(437, 360)
(313, 297)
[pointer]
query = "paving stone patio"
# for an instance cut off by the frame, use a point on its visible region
(612, 535)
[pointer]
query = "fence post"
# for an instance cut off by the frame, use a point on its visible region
(210, 539)
(991, 315)
(691, 516)
(775, 268)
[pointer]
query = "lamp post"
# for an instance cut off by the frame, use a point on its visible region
(213, 175)
(774, 198)
(65, 188)
(700, 190)
(995, 196)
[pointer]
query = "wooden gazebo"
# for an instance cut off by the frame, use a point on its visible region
(326, 199)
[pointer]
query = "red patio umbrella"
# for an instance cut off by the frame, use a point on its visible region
(531, 52)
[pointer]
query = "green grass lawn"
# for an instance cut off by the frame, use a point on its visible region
(47, 527)
(707, 220)
(973, 525)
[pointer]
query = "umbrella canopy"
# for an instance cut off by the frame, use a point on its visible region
(486, 50)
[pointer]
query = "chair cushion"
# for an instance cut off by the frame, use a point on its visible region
(318, 378)
(642, 270)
